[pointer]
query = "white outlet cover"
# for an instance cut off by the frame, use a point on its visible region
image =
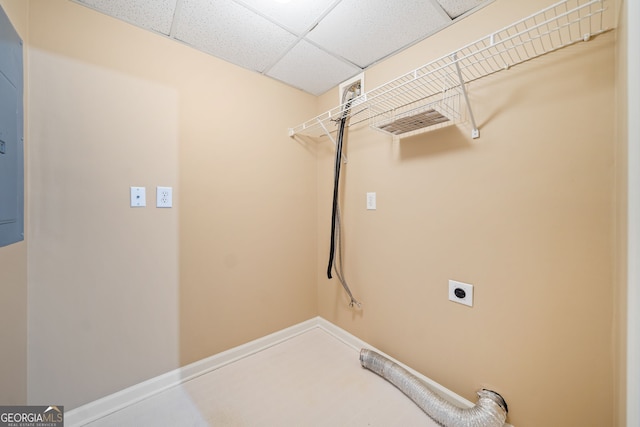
(371, 201)
(164, 197)
(467, 299)
(138, 197)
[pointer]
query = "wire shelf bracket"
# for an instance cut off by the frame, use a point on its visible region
(475, 132)
(433, 95)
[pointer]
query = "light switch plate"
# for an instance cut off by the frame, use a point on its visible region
(371, 201)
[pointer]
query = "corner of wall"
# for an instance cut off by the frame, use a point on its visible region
(13, 276)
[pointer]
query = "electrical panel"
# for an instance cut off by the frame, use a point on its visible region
(11, 134)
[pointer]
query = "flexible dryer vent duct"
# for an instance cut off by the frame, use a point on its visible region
(490, 411)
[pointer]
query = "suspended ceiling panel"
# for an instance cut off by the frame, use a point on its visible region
(312, 45)
(455, 8)
(232, 32)
(297, 15)
(364, 32)
(156, 15)
(309, 67)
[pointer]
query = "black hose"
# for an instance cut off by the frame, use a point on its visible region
(352, 91)
(336, 184)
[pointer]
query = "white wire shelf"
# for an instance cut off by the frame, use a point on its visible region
(434, 85)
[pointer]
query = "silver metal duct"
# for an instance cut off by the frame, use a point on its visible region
(489, 411)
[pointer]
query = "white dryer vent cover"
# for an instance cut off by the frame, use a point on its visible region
(413, 122)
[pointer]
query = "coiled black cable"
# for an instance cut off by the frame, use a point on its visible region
(336, 184)
(335, 214)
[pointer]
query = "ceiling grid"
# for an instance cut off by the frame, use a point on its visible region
(312, 45)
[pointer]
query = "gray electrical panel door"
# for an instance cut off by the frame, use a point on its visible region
(11, 134)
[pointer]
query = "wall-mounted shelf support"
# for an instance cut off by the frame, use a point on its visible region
(429, 97)
(475, 132)
(328, 133)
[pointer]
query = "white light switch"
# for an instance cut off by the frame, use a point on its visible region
(138, 197)
(371, 201)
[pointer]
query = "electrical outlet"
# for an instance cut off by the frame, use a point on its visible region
(164, 197)
(138, 197)
(461, 293)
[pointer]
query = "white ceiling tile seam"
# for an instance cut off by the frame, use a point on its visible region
(457, 8)
(302, 37)
(176, 19)
(437, 5)
(266, 36)
(311, 69)
(363, 32)
(300, 33)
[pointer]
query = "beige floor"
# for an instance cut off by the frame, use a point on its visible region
(312, 379)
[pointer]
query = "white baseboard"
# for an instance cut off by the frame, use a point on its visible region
(138, 392)
(104, 406)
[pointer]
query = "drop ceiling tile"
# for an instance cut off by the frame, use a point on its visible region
(364, 31)
(311, 69)
(455, 8)
(155, 15)
(296, 15)
(230, 31)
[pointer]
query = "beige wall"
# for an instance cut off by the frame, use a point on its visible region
(118, 295)
(620, 326)
(526, 213)
(13, 279)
